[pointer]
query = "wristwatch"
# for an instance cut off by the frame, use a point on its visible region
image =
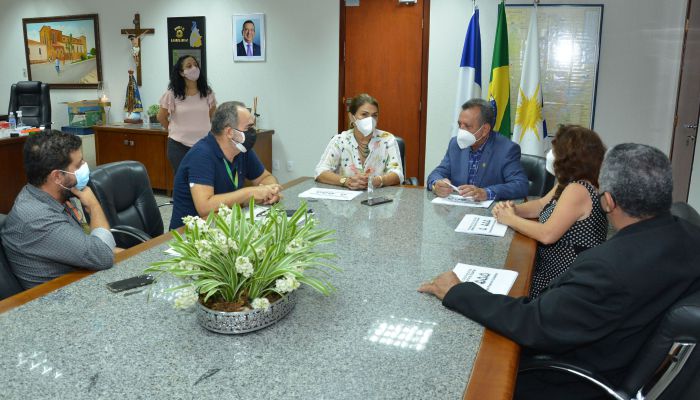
(343, 179)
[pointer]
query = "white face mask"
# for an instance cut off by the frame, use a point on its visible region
(239, 146)
(466, 138)
(366, 125)
(549, 165)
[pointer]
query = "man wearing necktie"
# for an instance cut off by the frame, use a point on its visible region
(246, 47)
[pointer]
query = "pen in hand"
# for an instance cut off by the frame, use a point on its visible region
(456, 189)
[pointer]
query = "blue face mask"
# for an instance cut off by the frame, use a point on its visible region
(82, 175)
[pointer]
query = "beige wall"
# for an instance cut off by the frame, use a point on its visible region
(298, 84)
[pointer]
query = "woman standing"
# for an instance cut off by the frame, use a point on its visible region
(570, 217)
(186, 108)
(362, 154)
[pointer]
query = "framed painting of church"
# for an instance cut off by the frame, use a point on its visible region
(63, 52)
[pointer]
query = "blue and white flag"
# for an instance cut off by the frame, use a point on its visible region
(469, 83)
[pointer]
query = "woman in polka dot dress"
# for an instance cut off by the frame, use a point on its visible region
(570, 219)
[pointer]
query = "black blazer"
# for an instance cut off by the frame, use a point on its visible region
(603, 308)
(241, 52)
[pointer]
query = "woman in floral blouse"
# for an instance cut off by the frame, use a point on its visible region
(362, 154)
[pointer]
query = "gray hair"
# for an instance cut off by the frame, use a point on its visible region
(639, 179)
(225, 115)
(487, 114)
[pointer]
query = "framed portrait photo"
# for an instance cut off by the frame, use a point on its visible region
(249, 37)
(63, 52)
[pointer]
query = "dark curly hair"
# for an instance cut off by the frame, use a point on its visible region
(46, 152)
(578, 154)
(177, 82)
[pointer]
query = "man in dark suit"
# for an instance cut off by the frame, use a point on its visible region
(481, 163)
(605, 306)
(246, 47)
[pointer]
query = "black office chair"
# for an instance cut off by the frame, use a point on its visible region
(539, 180)
(34, 100)
(685, 211)
(9, 285)
(402, 151)
(124, 191)
(667, 367)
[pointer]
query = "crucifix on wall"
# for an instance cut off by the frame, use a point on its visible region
(134, 36)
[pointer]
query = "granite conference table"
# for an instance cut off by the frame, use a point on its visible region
(376, 337)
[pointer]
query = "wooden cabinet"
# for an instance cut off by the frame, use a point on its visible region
(149, 146)
(12, 175)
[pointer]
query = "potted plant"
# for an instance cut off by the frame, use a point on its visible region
(241, 270)
(152, 113)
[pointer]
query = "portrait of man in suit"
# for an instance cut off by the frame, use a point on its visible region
(247, 47)
(248, 37)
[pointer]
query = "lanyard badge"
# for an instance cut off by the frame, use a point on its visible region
(232, 175)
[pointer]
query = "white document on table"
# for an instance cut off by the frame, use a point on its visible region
(496, 281)
(329, 194)
(457, 200)
(258, 211)
(480, 225)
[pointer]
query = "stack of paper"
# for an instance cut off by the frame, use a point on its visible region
(457, 200)
(329, 194)
(497, 281)
(480, 225)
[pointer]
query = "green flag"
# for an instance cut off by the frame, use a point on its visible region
(499, 85)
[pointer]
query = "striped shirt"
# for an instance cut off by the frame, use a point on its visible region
(43, 239)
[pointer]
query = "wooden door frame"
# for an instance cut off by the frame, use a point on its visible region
(424, 82)
(685, 196)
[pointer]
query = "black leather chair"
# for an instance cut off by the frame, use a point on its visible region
(667, 367)
(685, 211)
(539, 180)
(8, 282)
(124, 191)
(402, 151)
(34, 100)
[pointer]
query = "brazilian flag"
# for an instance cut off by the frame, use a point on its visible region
(499, 85)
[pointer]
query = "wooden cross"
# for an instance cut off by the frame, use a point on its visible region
(135, 36)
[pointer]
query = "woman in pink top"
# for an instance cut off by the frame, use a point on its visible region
(186, 109)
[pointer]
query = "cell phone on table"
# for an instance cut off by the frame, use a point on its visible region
(291, 212)
(376, 201)
(130, 283)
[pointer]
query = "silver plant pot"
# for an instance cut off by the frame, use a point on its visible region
(233, 323)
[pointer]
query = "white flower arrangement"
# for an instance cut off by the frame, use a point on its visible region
(185, 298)
(261, 302)
(230, 257)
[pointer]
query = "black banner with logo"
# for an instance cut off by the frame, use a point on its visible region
(186, 36)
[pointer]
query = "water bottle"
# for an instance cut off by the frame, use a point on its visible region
(13, 122)
(19, 118)
(370, 188)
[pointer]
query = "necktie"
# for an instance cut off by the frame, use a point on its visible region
(249, 51)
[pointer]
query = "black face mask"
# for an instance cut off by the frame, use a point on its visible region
(251, 135)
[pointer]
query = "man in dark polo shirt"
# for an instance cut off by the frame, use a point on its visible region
(214, 170)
